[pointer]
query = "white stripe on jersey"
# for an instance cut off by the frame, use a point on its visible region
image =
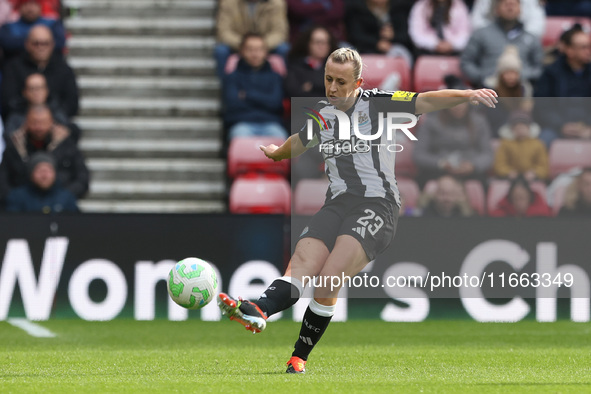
(358, 173)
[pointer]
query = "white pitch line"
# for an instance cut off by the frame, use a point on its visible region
(31, 328)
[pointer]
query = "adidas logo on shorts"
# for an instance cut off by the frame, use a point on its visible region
(360, 231)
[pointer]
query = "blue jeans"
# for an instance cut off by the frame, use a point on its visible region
(257, 129)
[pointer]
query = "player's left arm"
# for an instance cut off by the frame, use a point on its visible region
(447, 98)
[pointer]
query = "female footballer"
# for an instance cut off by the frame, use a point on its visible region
(362, 192)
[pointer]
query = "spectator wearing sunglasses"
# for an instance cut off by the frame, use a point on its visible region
(13, 35)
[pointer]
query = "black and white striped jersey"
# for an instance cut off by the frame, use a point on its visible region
(368, 169)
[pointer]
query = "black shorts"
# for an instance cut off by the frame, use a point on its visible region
(371, 220)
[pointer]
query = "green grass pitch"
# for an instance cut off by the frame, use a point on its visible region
(357, 356)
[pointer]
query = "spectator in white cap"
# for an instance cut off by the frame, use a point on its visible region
(515, 92)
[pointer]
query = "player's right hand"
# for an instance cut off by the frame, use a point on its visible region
(270, 151)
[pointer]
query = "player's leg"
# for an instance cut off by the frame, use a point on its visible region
(366, 231)
(307, 261)
(348, 257)
(310, 254)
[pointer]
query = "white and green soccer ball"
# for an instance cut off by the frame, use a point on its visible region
(192, 283)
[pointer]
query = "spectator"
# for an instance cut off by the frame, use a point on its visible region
(40, 134)
(42, 193)
(532, 16)
(305, 70)
(253, 93)
(453, 142)
(569, 76)
(39, 57)
(521, 201)
(479, 58)
(6, 12)
(448, 201)
(380, 26)
(268, 18)
(520, 151)
(13, 35)
(440, 27)
(577, 200)
(35, 92)
(514, 92)
(568, 8)
(304, 14)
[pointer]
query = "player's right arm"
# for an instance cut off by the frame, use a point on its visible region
(292, 147)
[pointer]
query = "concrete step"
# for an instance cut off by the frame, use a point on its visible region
(164, 66)
(157, 26)
(188, 170)
(142, 206)
(141, 8)
(155, 148)
(150, 128)
(130, 106)
(156, 190)
(189, 87)
(146, 46)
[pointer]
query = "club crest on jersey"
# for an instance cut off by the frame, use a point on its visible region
(363, 119)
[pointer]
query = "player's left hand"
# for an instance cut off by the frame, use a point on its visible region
(271, 152)
(487, 97)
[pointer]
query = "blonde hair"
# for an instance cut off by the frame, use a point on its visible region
(346, 55)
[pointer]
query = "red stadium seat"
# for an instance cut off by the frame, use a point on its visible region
(474, 193)
(409, 192)
(556, 25)
(277, 64)
(430, 70)
(260, 195)
(378, 68)
(309, 196)
(498, 188)
(244, 156)
(405, 165)
(568, 154)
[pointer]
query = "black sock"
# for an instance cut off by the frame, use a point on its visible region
(313, 326)
(279, 296)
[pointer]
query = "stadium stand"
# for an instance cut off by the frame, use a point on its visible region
(498, 188)
(405, 165)
(430, 70)
(260, 195)
(474, 192)
(309, 196)
(149, 108)
(244, 156)
(384, 72)
(556, 25)
(276, 61)
(568, 154)
(409, 193)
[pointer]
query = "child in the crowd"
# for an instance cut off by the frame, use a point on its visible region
(520, 151)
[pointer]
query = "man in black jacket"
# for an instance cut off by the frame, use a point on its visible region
(40, 134)
(39, 57)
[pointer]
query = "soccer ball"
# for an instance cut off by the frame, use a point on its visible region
(192, 283)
